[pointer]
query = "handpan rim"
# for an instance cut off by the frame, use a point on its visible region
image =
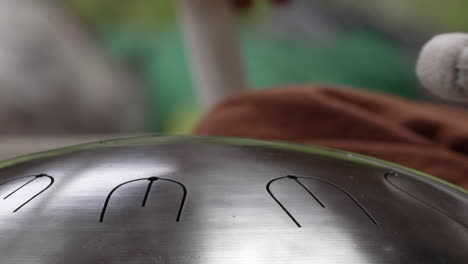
(235, 141)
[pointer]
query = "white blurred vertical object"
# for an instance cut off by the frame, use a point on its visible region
(55, 77)
(211, 41)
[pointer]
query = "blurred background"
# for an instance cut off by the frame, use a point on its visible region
(79, 70)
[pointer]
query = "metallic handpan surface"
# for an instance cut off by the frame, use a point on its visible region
(222, 200)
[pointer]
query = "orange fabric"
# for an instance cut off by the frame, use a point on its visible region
(426, 137)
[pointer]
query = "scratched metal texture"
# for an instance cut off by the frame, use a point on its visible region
(202, 200)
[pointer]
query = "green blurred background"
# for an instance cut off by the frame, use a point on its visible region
(370, 44)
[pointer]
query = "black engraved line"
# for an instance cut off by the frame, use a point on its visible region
(345, 192)
(278, 202)
(19, 188)
(151, 179)
(296, 179)
(420, 200)
(103, 211)
(37, 194)
(182, 201)
(19, 178)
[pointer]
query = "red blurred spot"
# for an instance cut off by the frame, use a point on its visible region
(241, 4)
(280, 2)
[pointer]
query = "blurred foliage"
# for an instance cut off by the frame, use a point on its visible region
(357, 58)
(143, 12)
(434, 15)
(146, 13)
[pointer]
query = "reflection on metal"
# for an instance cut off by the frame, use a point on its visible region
(148, 189)
(296, 179)
(34, 177)
(386, 176)
(228, 215)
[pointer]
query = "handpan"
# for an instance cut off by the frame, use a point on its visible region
(212, 200)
